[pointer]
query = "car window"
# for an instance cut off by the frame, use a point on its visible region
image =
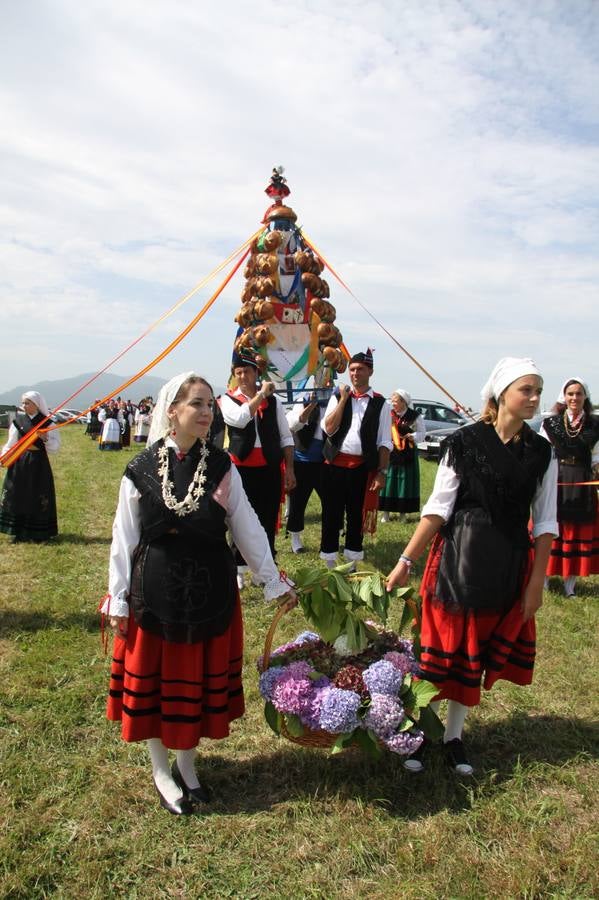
(443, 414)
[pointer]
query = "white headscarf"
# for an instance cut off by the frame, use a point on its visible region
(583, 384)
(505, 372)
(405, 396)
(38, 400)
(160, 421)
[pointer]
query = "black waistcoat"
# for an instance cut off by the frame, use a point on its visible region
(242, 440)
(486, 538)
(24, 425)
(183, 583)
(575, 502)
(368, 432)
(304, 436)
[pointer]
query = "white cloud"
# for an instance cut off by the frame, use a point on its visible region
(442, 155)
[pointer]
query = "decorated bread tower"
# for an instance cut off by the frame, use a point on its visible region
(286, 320)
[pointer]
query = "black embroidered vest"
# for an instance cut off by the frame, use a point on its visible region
(575, 502)
(368, 432)
(183, 584)
(304, 436)
(487, 543)
(242, 440)
(24, 425)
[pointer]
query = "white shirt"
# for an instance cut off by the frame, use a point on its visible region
(544, 504)
(246, 530)
(352, 443)
(239, 416)
(293, 420)
(52, 439)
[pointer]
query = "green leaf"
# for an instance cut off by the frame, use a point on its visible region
(343, 589)
(351, 630)
(424, 691)
(377, 584)
(431, 724)
(365, 589)
(367, 742)
(273, 717)
(343, 741)
(294, 726)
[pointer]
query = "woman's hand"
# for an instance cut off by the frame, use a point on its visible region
(399, 576)
(288, 600)
(119, 625)
(532, 600)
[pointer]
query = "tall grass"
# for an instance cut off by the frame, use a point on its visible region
(79, 816)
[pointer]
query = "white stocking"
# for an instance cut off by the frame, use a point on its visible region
(186, 762)
(161, 771)
(569, 584)
(296, 540)
(456, 716)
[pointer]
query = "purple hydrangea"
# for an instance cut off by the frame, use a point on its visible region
(382, 678)
(405, 743)
(293, 687)
(311, 704)
(268, 680)
(383, 715)
(339, 710)
(401, 661)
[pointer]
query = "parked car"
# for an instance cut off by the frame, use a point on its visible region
(64, 415)
(438, 415)
(430, 447)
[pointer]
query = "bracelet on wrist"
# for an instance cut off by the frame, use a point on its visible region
(406, 560)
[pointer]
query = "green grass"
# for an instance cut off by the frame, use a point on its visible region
(80, 818)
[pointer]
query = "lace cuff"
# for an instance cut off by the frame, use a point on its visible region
(276, 587)
(116, 606)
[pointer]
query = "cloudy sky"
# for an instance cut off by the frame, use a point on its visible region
(442, 155)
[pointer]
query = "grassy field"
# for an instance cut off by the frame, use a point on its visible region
(79, 816)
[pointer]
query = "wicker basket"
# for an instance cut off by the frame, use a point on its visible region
(317, 739)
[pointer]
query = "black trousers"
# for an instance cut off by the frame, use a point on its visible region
(308, 476)
(262, 485)
(342, 494)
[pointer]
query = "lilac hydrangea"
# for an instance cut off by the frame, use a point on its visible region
(405, 743)
(293, 687)
(310, 705)
(383, 715)
(339, 710)
(401, 661)
(382, 678)
(268, 680)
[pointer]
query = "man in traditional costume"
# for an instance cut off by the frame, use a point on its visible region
(305, 423)
(357, 424)
(259, 441)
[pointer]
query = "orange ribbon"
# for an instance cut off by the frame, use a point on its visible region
(380, 324)
(15, 452)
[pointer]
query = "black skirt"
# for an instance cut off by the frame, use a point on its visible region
(28, 504)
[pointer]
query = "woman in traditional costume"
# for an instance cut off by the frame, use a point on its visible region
(574, 432)
(94, 426)
(401, 493)
(173, 601)
(28, 504)
(483, 580)
(112, 420)
(143, 420)
(126, 423)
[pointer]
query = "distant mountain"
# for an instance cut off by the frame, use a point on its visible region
(56, 392)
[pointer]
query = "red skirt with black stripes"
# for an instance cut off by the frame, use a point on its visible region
(576, 550)
(463, 650)
(179, 693)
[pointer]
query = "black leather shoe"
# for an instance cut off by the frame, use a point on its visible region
(455, 757)
(181, 807)
(200, 794)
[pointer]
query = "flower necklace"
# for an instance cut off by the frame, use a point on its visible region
(190, 502)
(573, 429)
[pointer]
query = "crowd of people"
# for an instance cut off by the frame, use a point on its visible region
(509, 507)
